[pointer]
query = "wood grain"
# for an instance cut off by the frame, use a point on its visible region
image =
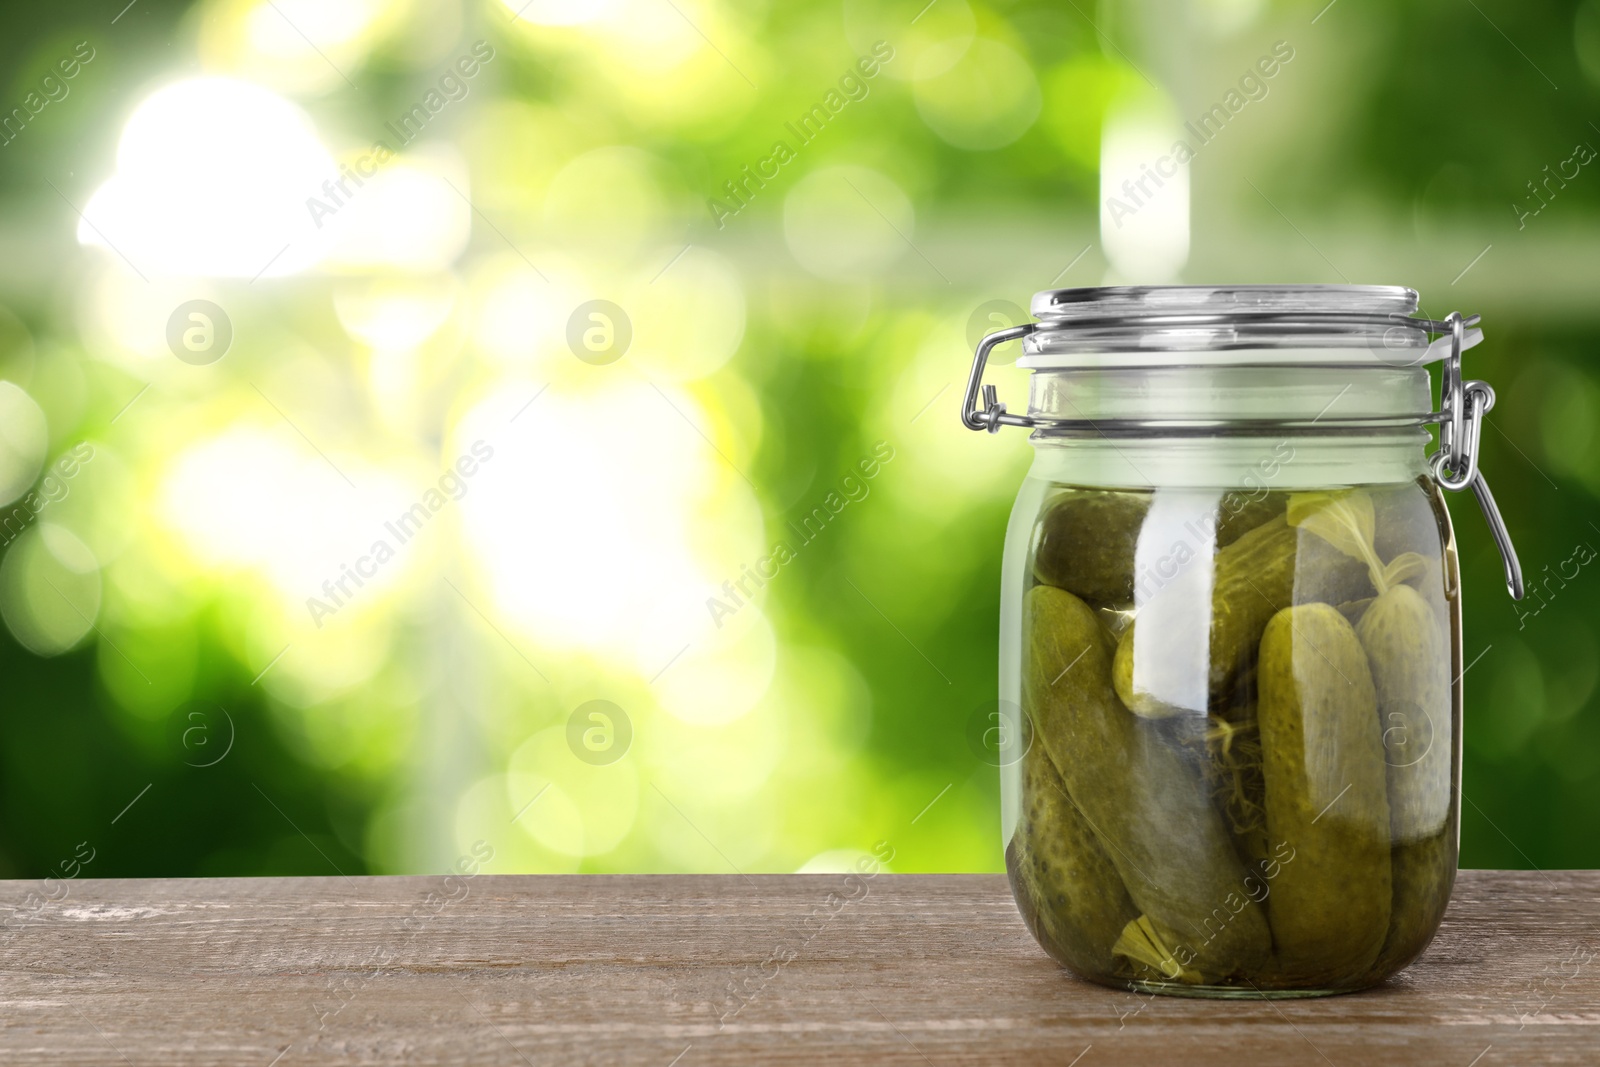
(920, 969)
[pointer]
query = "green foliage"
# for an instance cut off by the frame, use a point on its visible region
(827, 314)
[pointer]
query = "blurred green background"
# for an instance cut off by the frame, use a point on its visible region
(184, 695)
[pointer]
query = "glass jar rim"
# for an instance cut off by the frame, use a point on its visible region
(1122, 302)
(1248, 324)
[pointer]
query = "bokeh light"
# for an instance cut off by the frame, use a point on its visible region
(848, 222)
(49, 590)
(212, 178)
(24, 437)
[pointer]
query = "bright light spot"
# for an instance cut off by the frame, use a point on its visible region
(520, 317)
(24, 438)
(285, 29)
(928, 46)
(322, 665)
(395, 312)
(747, 751)
(265, 517)
(413, 214)
(842, 861)
(644, 36)
(690, 319)
(585, 530)
(660, 60)
(585, 810)
(124, 318)
(986, 101)
(558, 12)
(212, 178)
(847, 222)
(294, 46)
(1224, 18)
(607, 198)
(49, 589)
(745, 833)
(684, 64)
(260, 500)
(723, 673)
(482, 822)
(97, 500)
(1144, 193)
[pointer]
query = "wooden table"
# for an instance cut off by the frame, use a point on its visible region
(921, 969)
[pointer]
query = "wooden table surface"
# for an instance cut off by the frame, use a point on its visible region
(917, 969)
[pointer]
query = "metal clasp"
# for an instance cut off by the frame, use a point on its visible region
(1462, 406)
(992, 415)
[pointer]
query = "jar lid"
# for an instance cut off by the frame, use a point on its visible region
(1124, 301)
(1277, 324)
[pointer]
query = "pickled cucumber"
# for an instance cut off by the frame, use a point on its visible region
(1411, 673)
(1156, 673)
(1238, 514)
(1140, 797)
(1071, 894)
(1326, 796)
(1086, 540)
(1424, 872)
(1410, 670)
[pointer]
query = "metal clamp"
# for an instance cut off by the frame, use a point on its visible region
(992, 415)
(1462, 406)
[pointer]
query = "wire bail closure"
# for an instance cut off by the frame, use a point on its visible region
(992, 415)
(1462, 406)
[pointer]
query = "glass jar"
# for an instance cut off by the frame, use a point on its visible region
(1230, 649)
